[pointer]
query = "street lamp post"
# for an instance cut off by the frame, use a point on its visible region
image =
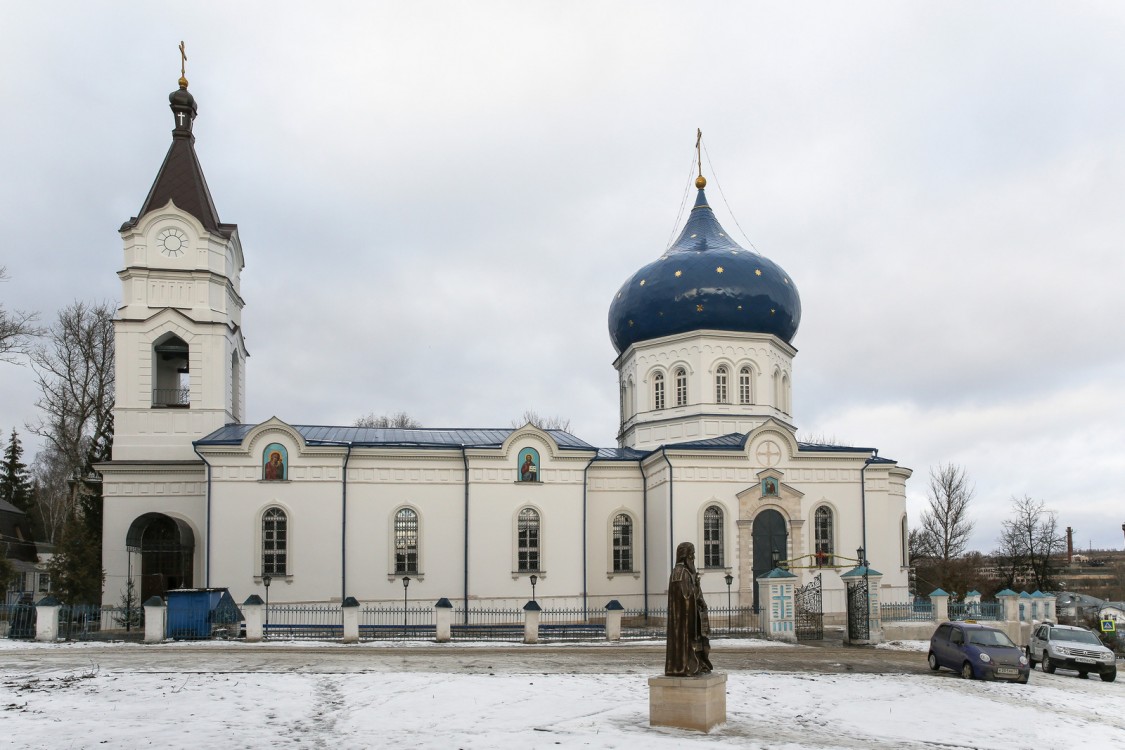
(729, 579)
(534, 580)
(266, 581)
(405, 614)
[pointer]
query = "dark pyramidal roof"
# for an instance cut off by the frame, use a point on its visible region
(180, 178)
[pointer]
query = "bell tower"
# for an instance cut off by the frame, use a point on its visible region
(178, 333)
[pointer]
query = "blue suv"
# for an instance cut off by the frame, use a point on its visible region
(977, 652)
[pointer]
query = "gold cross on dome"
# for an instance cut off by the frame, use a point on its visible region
(183, 60)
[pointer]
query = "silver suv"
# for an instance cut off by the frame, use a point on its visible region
(1069, 647)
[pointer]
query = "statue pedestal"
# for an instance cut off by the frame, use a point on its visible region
(698, 703)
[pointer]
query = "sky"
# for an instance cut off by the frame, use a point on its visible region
(437, 202)
(202, 701)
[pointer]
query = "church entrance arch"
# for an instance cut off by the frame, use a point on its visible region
(770, 538)
(166, 547)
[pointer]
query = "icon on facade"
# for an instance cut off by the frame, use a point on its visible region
(275, 462)
(529, 465)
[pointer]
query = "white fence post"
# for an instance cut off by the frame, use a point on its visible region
(613, 613)
(156, 618)
(351, 620)
(252, 610)
(940, 602)
(443, 620)
(531, 612)
(47, 619)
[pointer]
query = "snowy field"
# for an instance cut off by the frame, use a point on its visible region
(197, 705)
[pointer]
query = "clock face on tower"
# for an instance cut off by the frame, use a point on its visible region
(172, 242)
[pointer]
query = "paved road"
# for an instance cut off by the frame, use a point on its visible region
(825, 657)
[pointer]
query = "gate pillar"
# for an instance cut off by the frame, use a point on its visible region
(47, 619)
(778, 616)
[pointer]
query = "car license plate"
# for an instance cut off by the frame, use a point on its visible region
(1085, 660)
(1007, 670)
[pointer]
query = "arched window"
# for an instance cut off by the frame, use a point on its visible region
(786, 404)
(777, 397)
(713, 537)
(745, 387)
(681, 386)
(527, 541)
(658, 391)
(822, 533)
(171, 378)
(406, 541)
(721, 385)
(622, 543)
(275, 542)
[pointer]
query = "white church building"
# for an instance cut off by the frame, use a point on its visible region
(707, 450)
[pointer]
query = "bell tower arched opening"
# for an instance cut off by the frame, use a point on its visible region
(166, 547)
(171, 373)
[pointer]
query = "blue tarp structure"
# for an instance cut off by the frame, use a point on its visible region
(199, 613)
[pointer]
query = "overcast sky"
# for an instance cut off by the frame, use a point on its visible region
(438, 201)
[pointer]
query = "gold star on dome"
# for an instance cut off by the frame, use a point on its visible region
(772, 311)
(642, 282)
(721, 234)
(630, 324)
(757, 272)
(679, 274)
(786, 280)
(699, 308)
(740, 307)
(719, 269)
(694, 236)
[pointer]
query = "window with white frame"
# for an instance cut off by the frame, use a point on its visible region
(745, 389)
(713, 537)
(275, 542)
(681, 386)
(822, 536)
(406, 541)
(622, 543)
(721, 385)
(658, 391)
(528, 540)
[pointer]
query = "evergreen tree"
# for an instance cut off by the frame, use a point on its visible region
(76, 569)
(15, 485)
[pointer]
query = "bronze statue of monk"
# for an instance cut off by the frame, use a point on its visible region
(688, 648)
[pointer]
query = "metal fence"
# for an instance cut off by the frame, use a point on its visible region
(487, 625)
(570, 625)
(975, 611)
(919, 611)
(397, 623)
(300, 621)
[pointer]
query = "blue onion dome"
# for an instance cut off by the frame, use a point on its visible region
(705, 281)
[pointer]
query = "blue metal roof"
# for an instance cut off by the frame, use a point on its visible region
(705, 280)
(233, 434)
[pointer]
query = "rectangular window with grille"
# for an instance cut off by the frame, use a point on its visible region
(622, 544)
(713, 538)
(527, 542)
(406, 541)
(275, 543)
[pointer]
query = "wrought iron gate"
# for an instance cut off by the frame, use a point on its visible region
(809, 611)
(859, 611)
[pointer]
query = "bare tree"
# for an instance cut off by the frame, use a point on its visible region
(1028, 541)
(74, 369)
(400, 420)
(544, 423)
(17, 329)
(53, 502)
(945, 528)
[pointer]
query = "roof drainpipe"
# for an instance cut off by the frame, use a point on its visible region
(465, 461)
(863, 500)
(644, 536)
(671, 508)
(344, 528)
(585, 557)
(207, 544)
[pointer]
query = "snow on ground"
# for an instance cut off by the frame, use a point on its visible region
(193, 707)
